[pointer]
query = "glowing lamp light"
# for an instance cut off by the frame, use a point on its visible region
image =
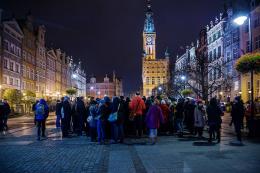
(91, 88)
(160, 88)
(183, 77)
(221, 93)
(98, 93)
(240, 20)
(74, 76)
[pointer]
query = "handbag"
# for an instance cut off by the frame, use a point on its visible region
(133, 113)
(113, 116)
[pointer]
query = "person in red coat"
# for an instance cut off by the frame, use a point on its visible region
(166, 113)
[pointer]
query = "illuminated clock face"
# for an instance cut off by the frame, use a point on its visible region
(149, 39)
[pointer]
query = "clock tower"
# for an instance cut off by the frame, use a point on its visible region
(155, 71)
(149, 34)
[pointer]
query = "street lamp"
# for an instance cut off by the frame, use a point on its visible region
(74, 76)
(240, 20)
(183, 78)
(160, 88)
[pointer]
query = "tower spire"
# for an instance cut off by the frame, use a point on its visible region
(149, 23)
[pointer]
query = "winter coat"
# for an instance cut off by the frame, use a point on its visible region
(93, 113)
(179, 111)
(40, 117)
(66, 109)
(7, 110)
(79, 109)
(238, 112)
(214, 115)
(104, 111)
(199, 117)
(58, 108)
(137, 105)
(154, 117)
(165, 111)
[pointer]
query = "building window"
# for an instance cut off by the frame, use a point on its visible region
(11, 81)
(248, 85)
(257, 42)
(228, 57)
(214, 37)
(147, 80)
(153, 81)
(210, 56)
(215, 54)
(247, 46)
(17, 68)
(219, 51)
(5, 63)
(158, 80)
(5, 80)
(257, 22)
(11, 65)
(235, 53)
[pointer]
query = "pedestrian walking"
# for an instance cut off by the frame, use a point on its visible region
(58, 113)
(7, 111)
(41, 114)
(137, 107)
(2, 107)
(65, 116)
(214, 119)
(199, 118)
(237, 114)
(153, 119)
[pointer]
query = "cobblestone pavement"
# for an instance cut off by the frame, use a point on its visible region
(21, 152)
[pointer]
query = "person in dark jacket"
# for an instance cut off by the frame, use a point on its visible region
(102, 123)
(7, 111)
(78, 111)
(1, 115)
(237, 114)
(58, 112)
(41, 114)
(179, 116)
(214, 119)
(92, 119)
(118, 106)
(65, 117)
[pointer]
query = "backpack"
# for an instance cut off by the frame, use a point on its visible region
(40, 112)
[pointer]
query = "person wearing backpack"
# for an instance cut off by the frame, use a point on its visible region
(41, 114)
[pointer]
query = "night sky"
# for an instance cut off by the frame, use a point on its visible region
(107, 34)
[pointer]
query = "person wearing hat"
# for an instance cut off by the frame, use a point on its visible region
(137, 107)
(237, 114)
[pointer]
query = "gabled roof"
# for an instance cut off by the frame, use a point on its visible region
(14, 25)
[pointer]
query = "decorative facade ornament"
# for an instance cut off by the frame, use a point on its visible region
(211, 24)
(207, 27)
(220, 16)
(216, 20)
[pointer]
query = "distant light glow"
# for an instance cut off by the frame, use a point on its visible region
(183, 77)
(160, 88)
(91, 88)
(240, 20)
(98, 92)
(74, 76)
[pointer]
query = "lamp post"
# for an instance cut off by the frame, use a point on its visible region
(240, 20)
(183, 78)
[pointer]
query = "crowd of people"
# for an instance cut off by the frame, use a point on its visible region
(112, 120)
